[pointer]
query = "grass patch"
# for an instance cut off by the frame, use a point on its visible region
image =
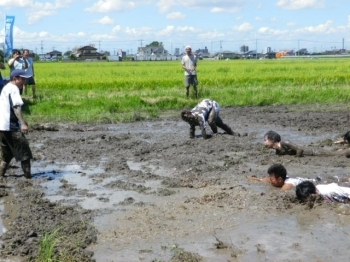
(128, 91)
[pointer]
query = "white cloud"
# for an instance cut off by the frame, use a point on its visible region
(16, 3)
(167, 31)
(165, 5)
(300, 4)
(81, 34)
(176, 15)
(33, 17)
(225, 10)
(185, 29)
(271, 32)
(245, 27)
(116, 29)
(106, 20)
(258, 18)
(104, 6)
(291, 24)
(138, 31)
(319, 29)
(211, 35)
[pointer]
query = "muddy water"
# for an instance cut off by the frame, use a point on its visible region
(153, 192)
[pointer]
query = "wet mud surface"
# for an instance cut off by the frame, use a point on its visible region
(145, 191)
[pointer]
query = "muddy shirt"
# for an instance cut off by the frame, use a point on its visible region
(288, 148)
(203, 110)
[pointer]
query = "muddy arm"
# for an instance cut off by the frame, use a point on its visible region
(298, 151)
(18, 112)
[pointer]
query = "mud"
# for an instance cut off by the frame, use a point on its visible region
(145, 191)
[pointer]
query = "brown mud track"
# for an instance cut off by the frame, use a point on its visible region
(144, 191)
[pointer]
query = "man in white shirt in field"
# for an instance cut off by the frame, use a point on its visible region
(189, 64)
(12, 125)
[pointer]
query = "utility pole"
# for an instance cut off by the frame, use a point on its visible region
(256, 48)
(42, 47)
(99, 47)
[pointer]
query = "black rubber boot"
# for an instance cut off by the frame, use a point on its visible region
(26, 168)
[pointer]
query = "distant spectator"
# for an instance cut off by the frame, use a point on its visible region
(16, 62)
(189, 64)
(29, 68)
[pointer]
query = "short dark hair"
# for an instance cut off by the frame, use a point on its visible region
(277, 170)
(347, 137)
(304, 190)
(273, 136)
(16, 51)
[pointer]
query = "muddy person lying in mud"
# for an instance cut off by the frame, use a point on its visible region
(273, 140)
(207, 111)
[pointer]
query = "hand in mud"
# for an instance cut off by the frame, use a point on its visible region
(253, 178)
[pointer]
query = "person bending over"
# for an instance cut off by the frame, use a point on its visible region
(206, 111)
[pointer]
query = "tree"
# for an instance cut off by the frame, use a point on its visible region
(68, 53)
(155, 43)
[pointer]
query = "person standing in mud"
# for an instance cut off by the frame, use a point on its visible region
(189, 64)
(13, 127)
(206, 111)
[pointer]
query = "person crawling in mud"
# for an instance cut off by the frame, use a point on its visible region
(278, 178)
(206, 111)
(331, 192)
(273, 140)
(345, 140)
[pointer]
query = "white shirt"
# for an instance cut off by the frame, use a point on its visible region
(333, 189)
(190, 62)
(18, 64)
(9, 98)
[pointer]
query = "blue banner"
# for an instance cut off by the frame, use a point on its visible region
(10, 20)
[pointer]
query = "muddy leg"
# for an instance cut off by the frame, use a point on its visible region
(225, 127)
(195, 90)
(187, 91)
(192, 129)
(212, 120)
(26, 168)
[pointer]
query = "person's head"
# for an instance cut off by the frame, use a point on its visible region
(26, 53)
(271, 138)
(18, 77)
(304, 190)
(277, 174)
(188, 50)
(347, 137)
(188, 117)
(16, 53)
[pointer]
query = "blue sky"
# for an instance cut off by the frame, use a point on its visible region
(317, 25)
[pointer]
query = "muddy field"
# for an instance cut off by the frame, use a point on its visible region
(144, 191)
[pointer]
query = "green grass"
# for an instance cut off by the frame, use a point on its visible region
(129, 91)
(47, 245)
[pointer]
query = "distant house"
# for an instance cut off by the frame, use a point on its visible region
(87, 52)
(203, 52)
(157, 51)
(228, 55)
(54, 53)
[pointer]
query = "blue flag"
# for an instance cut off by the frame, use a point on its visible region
(10, 20)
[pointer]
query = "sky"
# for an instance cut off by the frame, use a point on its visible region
(219, 25)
